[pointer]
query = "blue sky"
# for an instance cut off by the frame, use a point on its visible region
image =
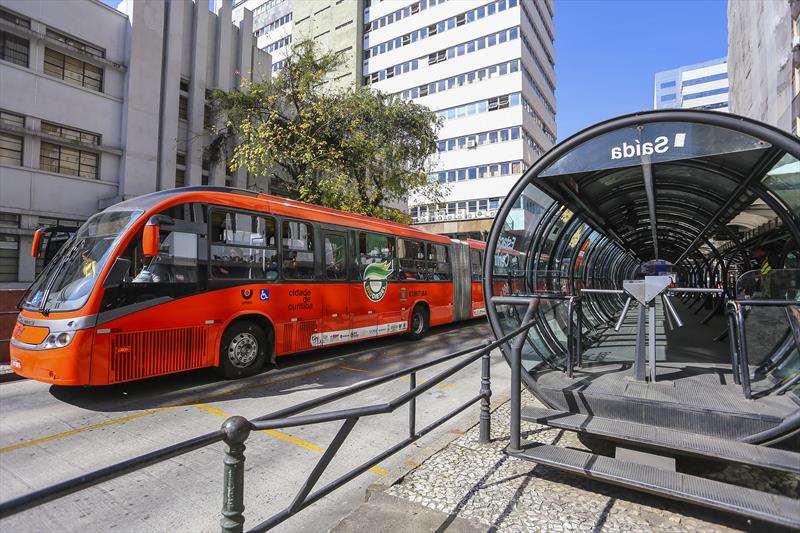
(608, 51)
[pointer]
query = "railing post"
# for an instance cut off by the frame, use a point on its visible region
(570, 335)
(486, 393)
(516, 377)
(579, 332)
(744, 363)
(732, 339)
(639, 370)
(237, 429)
(412, 407)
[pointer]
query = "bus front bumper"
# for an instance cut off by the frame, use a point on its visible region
(60, 366)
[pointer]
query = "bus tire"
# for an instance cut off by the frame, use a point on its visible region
(420, 322)
(243, 350)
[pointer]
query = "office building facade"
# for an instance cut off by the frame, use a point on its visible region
(487, 67)
(698, 86)
(764, 61)
(98, 105)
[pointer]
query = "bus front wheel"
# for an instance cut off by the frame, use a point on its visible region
(243, 350)
(420, 321)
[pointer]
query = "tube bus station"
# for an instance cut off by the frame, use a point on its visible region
(633, 311)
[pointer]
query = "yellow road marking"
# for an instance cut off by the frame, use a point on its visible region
(83, 429)
(288, 438)
(149, 412)
(210, 397)
(274, 433)
(353, 369)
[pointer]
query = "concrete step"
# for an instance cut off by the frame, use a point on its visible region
(667, 440)
(674, 485)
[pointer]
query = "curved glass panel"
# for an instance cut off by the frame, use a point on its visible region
(695, 205)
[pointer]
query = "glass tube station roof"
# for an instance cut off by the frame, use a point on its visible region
(697, 192)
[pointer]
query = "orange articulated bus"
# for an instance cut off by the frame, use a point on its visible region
(217, 277)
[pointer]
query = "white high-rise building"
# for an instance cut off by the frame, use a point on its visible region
(487, 69)
(698, 86)
(485, 66)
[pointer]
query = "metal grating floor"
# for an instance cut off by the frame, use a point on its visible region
(748, 502)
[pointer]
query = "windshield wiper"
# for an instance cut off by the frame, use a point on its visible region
(46, 295)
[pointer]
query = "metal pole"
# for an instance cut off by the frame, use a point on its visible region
(744, 364)
(623, 314)
(516, 378)
(486, 393)
(570, 334)
(237, 429)
(651, 338)
(732, 336)
(639, 358)
(412, 406)
(670, 310)
(578, 337)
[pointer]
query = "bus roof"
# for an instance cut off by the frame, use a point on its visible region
(275, 205)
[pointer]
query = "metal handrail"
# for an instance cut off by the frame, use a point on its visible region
(738, 338)
(235, 431)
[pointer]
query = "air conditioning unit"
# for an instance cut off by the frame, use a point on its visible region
(451, 216)
(481, 214)
(472, 143)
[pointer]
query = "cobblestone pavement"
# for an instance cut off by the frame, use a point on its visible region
(478, 482)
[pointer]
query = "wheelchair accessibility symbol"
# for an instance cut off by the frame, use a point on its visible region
(264, 295)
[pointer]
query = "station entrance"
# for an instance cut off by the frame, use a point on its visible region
(663, 289)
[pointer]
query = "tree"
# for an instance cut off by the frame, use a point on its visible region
(354, 150)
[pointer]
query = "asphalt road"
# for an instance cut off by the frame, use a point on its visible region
(49, 434)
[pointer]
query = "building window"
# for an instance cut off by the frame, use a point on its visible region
(10, 149)
(15, 19)
(180, 170)
(70, 134)
(70, 161)
(9, 248)
(437, 57)
(76, 44)
(667, 97)
(183, 101)
(206, 167)
(11, 145)
(14, 49)
(73, 70)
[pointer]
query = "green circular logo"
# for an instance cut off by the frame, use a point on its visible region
(375, 284)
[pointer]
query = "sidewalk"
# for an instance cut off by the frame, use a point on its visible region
(468, 486)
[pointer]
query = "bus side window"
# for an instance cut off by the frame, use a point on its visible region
(475, 262)
(335, 256)
(411, 258)
(243, 246)
(298, 250)
(440, 262)
(374, 248)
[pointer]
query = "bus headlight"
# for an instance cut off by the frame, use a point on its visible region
(58, 340)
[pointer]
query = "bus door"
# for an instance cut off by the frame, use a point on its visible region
(336, 288)
(371, 294)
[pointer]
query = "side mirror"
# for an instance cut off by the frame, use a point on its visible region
(37, 240)
(117, 273)
(151, 237)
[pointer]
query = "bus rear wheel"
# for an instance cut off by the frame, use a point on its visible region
(243, 350)
(420, 321)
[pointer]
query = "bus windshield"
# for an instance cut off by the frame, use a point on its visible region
(68, 280)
